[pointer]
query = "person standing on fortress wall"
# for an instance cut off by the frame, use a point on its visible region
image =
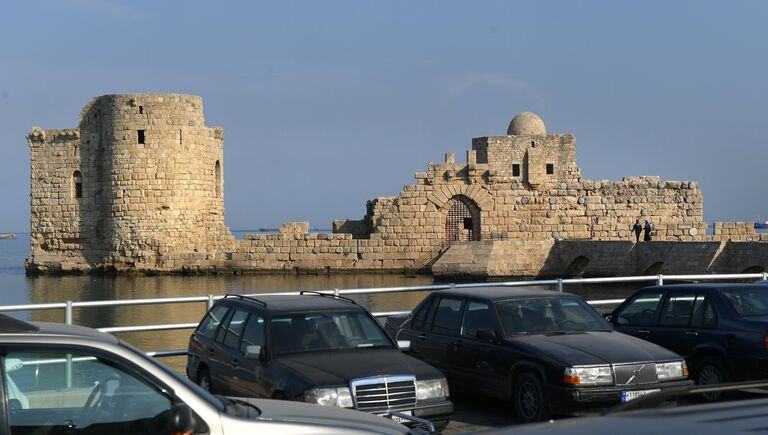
(637, 228)
(647, 232)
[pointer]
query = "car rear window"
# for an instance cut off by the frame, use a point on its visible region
(747, 302)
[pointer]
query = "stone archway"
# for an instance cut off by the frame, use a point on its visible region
(577, 266)
(754, 269)
(462, 220)
(654, 269)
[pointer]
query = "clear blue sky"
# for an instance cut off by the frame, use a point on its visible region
(327, 104)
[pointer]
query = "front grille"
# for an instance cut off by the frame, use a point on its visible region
(384, 393)
(635, 374)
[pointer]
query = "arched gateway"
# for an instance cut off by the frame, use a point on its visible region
(462, 222)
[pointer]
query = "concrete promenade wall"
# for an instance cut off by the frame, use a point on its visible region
(565, 258)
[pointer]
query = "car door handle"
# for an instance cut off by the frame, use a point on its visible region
(457, 344)
(643, 331)
(211, 352)
(691, 333)
(422, 336)
(235, 363)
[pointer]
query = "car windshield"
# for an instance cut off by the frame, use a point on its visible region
(548, 316)
(748, 302)
(307, 332)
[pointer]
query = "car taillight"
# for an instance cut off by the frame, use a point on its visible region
(765, 340)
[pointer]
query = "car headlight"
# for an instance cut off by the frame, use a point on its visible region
(340, 397)
(432, 389)
(598, 375)
(671, 370)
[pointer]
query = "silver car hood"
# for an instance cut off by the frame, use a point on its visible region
(296, 417)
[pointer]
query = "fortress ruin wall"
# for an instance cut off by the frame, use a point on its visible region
(138, 186)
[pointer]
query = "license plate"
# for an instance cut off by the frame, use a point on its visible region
(397, 418)
(626, 396)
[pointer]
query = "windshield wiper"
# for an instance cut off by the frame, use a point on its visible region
(239, 408)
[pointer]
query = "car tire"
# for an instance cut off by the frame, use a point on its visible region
(711, 371)
(204, 380)
(529, 399)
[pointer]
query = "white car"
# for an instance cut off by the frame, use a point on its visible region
(68, 379)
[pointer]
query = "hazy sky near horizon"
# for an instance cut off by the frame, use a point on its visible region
(326, 104)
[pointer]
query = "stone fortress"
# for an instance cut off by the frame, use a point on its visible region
(138, 186)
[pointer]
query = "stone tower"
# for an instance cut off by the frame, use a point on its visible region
(138, 186)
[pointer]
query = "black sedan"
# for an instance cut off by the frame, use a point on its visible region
(316, 348)
(721, 329)
(545, 351)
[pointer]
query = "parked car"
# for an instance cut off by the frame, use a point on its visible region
(721, 329)
(60, 379)
(547, 352)
(317, 348)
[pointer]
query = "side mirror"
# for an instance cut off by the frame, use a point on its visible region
(182, 419)
(254, 351)
(404, 345)
(486, 335)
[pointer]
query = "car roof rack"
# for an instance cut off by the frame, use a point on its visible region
(245, 298)
(327, 295)
(9, 324)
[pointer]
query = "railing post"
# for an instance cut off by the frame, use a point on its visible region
(336, 291)
(68, 321)
(209, 303)
(68, 313)
(453, 286)
(660, 279)
(765, 276)
(559, 285)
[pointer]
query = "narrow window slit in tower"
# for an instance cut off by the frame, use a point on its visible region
(550, 168)
(515, 170)
(141, 136)
(77, 184)
(141, 110)
(180, 137)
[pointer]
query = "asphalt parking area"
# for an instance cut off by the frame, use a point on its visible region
(476, 413)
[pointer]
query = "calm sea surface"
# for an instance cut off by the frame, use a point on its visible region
(17, 288)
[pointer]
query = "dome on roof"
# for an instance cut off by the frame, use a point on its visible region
(527, 123)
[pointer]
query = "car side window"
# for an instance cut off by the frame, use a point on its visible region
(641, 311)
(62, 392)
(677, 309)
(477, 316)
(703, 313)
(234, 329)
(447, 316)
(254, 332)
(421, 315)
(219, 336)
(212, 321)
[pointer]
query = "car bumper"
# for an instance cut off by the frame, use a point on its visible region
(576, 400)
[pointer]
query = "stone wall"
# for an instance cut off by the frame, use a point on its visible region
(151, 187)
(138, 186)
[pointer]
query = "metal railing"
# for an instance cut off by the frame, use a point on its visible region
(556, 284)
